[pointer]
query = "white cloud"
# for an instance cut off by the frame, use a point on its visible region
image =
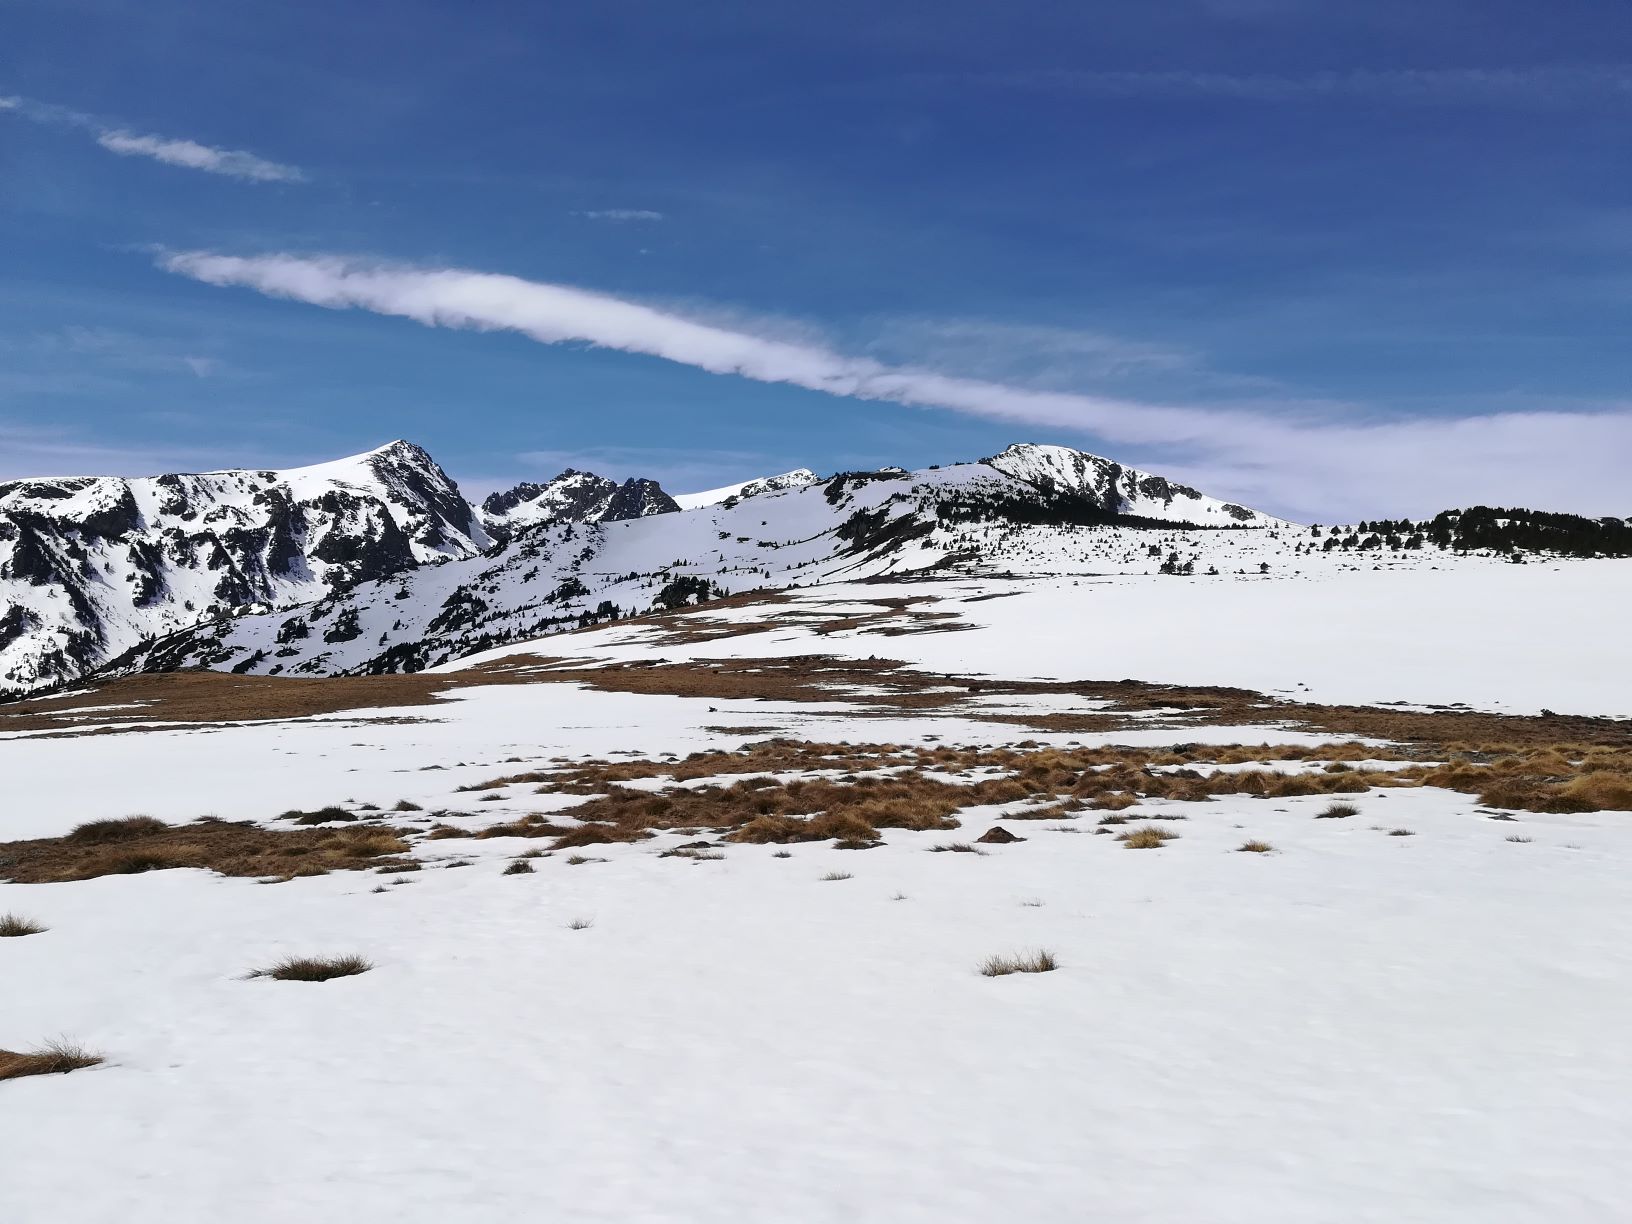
(194, 156)
(620, 214)
(1321, 461)
(189, 154)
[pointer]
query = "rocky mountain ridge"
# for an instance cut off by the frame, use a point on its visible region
(378, 562)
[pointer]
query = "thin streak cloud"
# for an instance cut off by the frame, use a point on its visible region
(188, 154)
(620, 214)
(1299, 459)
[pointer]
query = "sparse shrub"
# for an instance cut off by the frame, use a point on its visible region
(126, 828)
(1337, 811)
(15, 925)
(519, 867)
(54, 1058)
(1146, 837)
(314, 968)
(404, 805)
(691, 852)
(837, 875)
(578, 860)
(1401, 833)
(580, 924)
(1034, 962)
(1517, 838)
(324, 815)
(1255, 847)
(783, 854)
(956, 848)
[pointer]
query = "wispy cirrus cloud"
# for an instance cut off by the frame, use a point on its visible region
(1316, 460)
(1545, 85)
(619, 214)
(172, 151)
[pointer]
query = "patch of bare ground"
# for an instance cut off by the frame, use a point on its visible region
(883, 786)
(226, 847)
(53, 1058)
(223, 698)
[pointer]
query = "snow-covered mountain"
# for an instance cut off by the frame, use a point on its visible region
(799, 478)
(1031, 509)
(92, 566)
(572, 497)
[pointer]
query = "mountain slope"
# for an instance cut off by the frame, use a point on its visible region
(1029, 510)
(92, 566)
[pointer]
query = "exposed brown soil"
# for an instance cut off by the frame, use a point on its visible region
(219, 698)
(226, 847)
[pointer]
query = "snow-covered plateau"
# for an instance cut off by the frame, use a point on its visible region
(1320, 857)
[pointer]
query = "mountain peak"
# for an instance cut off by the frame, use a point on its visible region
(572, 497)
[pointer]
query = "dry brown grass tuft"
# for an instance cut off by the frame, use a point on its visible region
(519, 867)
(1256, 847)
(1146, 837)
(226, 847)
(54, 1058)
(580, 924)
(956, 848)
(325, 815)
(14, 926)
(314, 968)
(102, 832)
(1401, 833)
(1337, 811)
(837, 875)
(1034, 962)
(1603, 789)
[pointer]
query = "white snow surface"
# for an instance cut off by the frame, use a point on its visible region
(1514, 639)
(1354, 1028)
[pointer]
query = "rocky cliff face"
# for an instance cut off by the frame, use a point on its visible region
(91, 566)
(572, 497)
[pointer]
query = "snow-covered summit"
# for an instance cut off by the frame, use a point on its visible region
(1119, 489)
(799, 478)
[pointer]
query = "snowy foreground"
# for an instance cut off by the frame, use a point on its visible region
(1353, 1027)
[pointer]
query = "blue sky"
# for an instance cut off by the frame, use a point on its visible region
(1332, 259)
